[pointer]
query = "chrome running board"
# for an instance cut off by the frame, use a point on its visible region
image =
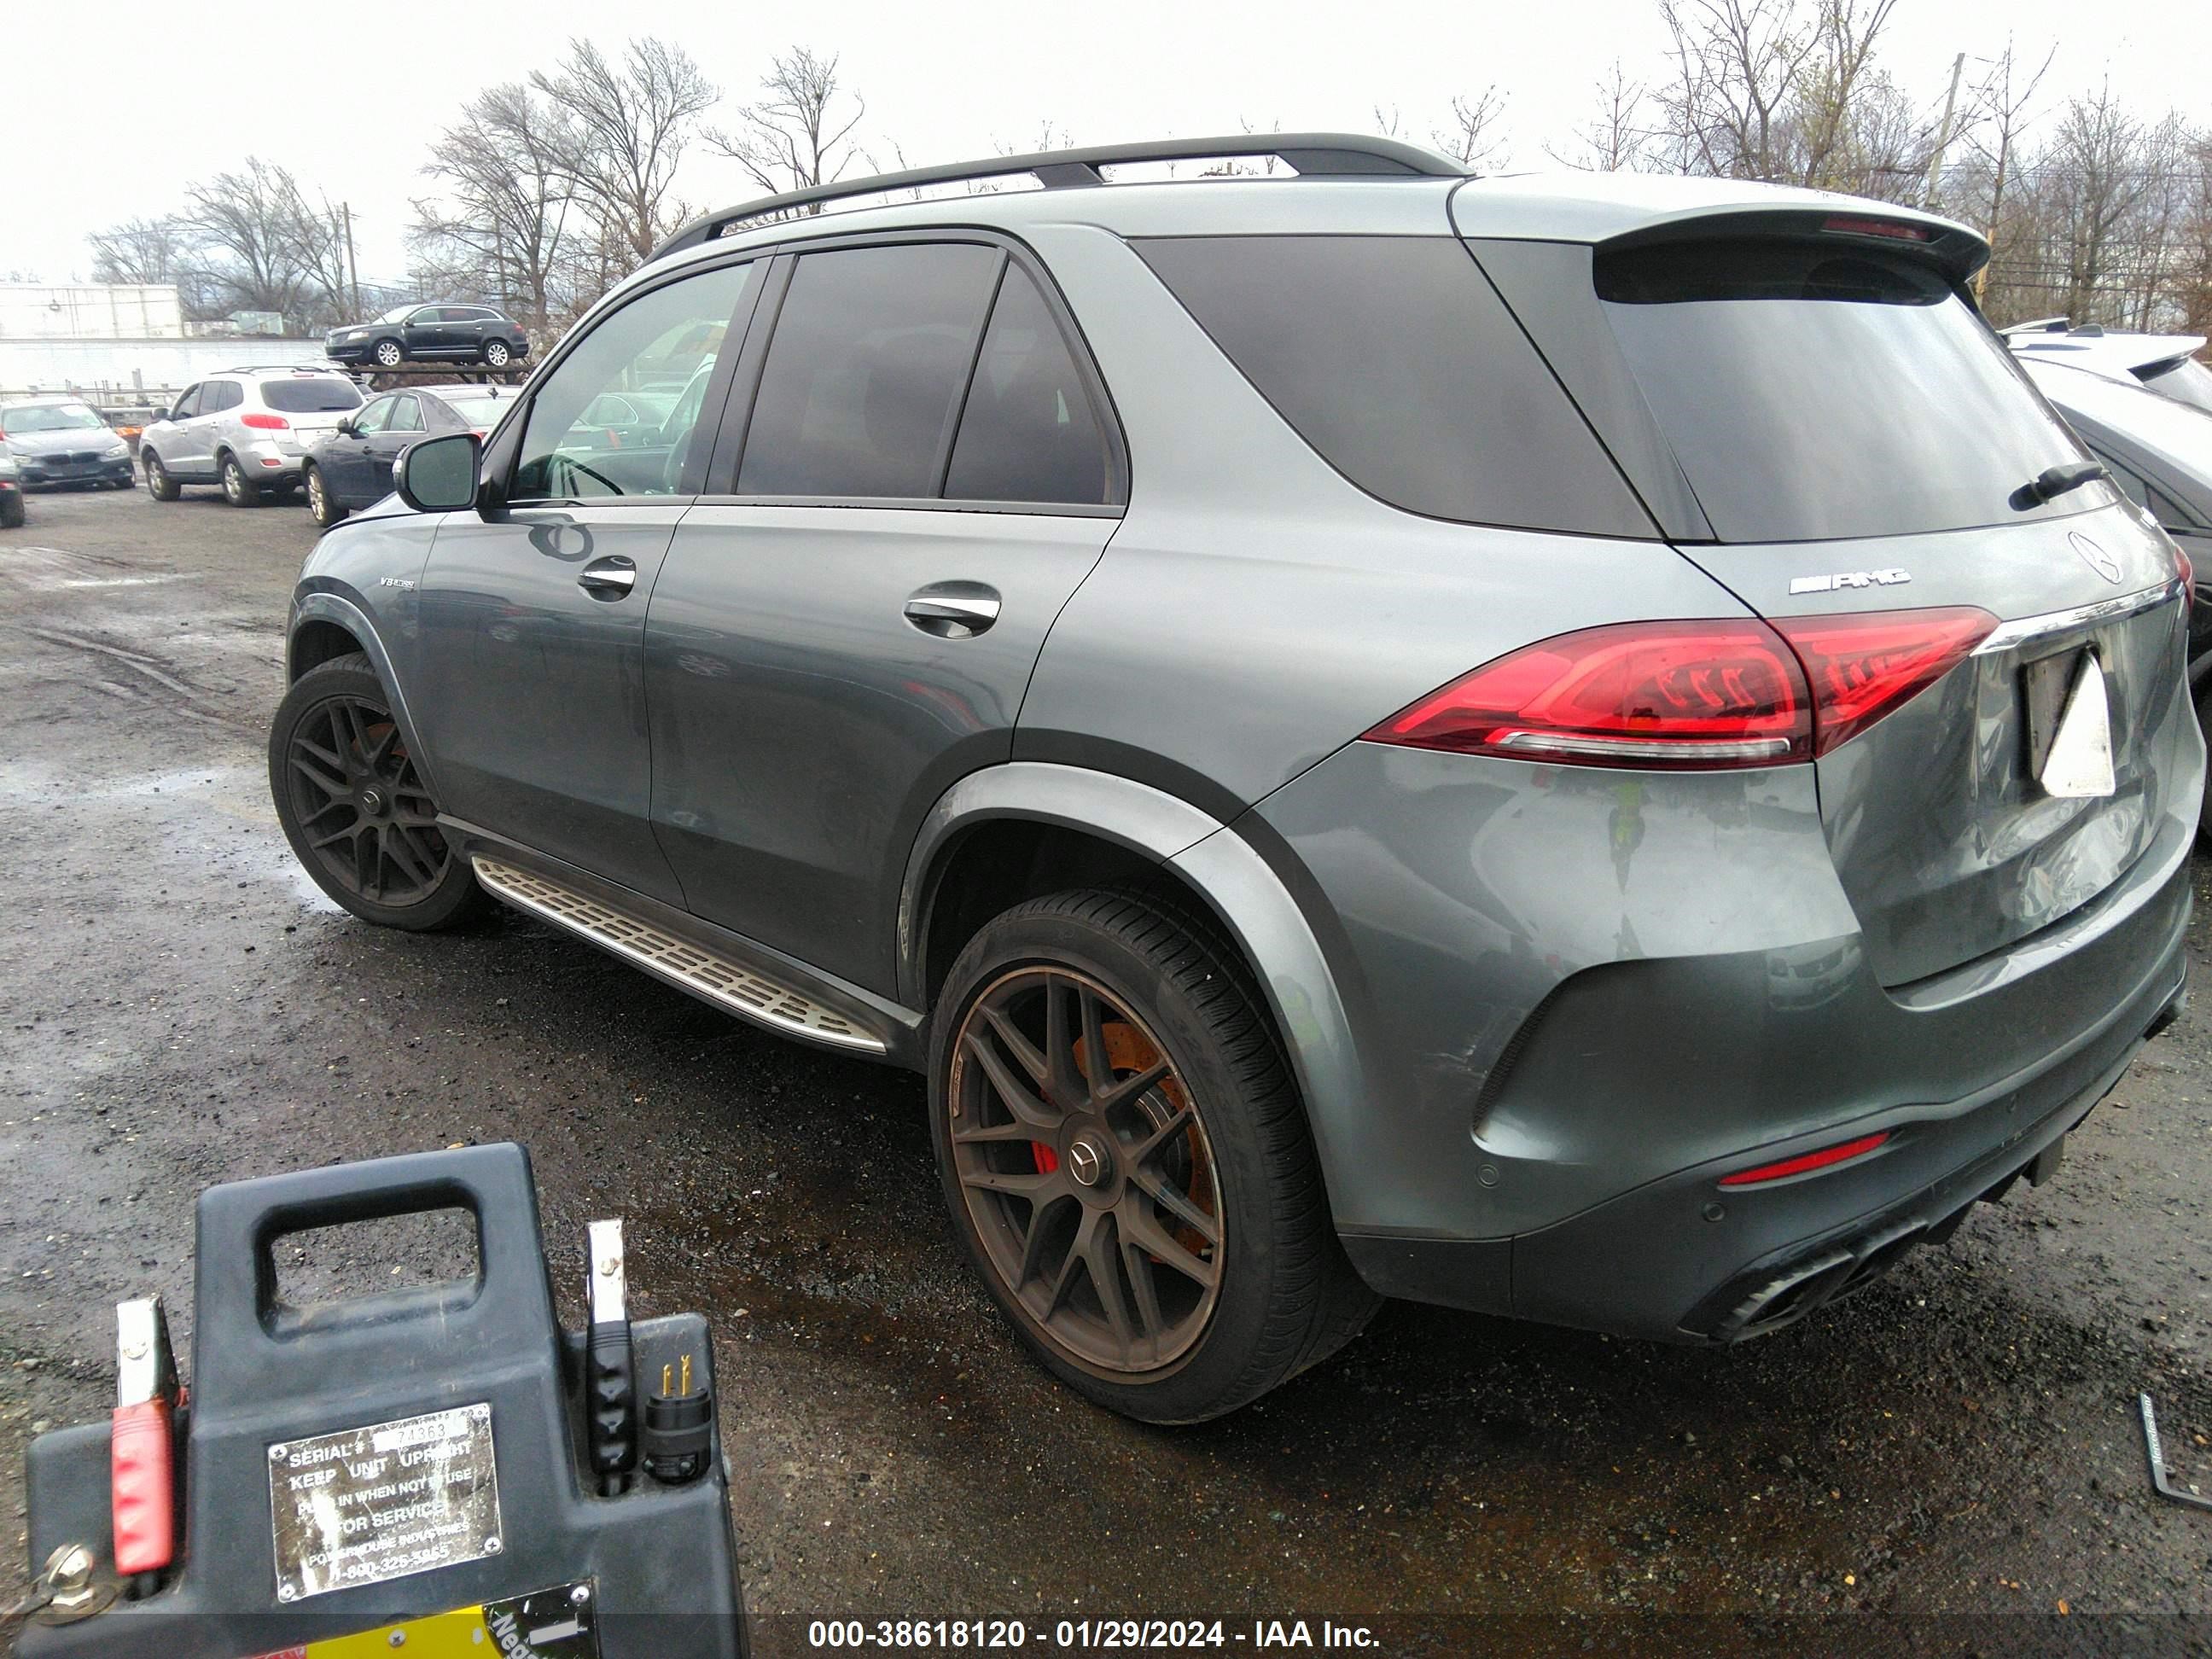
(720, 981)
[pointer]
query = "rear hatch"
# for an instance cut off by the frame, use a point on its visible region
(1854, 455)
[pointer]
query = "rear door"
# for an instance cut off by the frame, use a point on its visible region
(927, 471)
(1866, 453)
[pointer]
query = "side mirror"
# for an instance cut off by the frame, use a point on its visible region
(344, 427)
(441, 474)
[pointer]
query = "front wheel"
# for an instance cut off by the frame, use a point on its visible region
(388, 354)
(353, 807)
(1127, 1161)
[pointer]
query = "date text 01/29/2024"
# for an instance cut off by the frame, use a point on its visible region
(1082, 1635)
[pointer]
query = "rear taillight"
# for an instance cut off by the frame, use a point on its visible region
(1666, 693)
(1864, 665)
(1696, 695)
(262, 422)
(1826, 1157)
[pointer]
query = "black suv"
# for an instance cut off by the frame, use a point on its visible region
(444, 332)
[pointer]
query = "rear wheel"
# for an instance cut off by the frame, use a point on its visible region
(159, 484)
(1128, 1162)
(237, 489)
(354, 808)
(495, 352)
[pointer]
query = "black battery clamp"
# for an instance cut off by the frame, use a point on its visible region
(443, 1463)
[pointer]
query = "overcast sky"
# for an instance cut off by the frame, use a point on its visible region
(108, 112)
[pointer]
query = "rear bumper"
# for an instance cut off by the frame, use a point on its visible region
(1686, 1259)
(1580, 999)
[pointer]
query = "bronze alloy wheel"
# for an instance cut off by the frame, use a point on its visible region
(1084, 1166)
(361, 809)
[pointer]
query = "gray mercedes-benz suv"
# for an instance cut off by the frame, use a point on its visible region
(1586, 748)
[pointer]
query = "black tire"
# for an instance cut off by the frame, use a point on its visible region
(237, 489)
(497, 353)
(11, 510)
(2204, 807)
(1284, 1296)
(421, 884)
(387, 354)
(159, 484)
(322, 507)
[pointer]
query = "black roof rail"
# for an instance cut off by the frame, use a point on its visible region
(1307, 153)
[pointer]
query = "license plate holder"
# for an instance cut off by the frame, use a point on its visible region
(2043, 684)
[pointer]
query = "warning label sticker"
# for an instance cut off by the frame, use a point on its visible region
(366, 1504)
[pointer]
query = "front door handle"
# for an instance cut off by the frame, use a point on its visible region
(953, 611)
(610, 578)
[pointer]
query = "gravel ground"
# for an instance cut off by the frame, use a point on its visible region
(182, 1007)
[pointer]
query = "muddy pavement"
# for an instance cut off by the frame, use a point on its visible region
(181, 1007)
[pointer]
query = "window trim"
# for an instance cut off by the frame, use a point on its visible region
(504, 458)
(737, 420)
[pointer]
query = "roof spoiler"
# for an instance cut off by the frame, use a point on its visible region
(1958, 251)
(1306, 154)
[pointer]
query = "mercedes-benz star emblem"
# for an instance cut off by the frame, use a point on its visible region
(1085, 1162)
(2095, 556)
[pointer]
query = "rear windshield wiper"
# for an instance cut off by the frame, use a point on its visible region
(2055, 481)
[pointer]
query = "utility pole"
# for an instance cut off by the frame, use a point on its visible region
(352, 265)
(1943, 133)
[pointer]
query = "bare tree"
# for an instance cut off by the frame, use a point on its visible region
(262, 245)
(795, 136)
(1786, 90)
(630, 122)
(1996, 118)
(1616, 137)
(500, 229)
(140, 251)
(2097, 178)
(1474, 138)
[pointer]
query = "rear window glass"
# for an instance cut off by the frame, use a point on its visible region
(310, 396)
(1811, 392)
(478, 411)
(1028, 432)
(864, 376)
(1397, 362)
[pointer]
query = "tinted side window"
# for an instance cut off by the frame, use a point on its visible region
(406, 415)
(1028, 432)
(372, 418)
(654, 345)
(863, 379)
(188, 405)
(1393, 357)
(219, 395)
(2132, 482)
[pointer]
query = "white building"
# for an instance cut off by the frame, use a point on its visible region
(113, 341)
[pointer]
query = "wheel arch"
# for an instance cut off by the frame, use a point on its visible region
(326, 626)
(1013, 832)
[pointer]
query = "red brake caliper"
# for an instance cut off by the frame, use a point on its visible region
(1047, 1159)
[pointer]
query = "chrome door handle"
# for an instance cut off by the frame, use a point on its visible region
(953, 611)
(611, 578)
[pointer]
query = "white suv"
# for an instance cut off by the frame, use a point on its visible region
(245, 429)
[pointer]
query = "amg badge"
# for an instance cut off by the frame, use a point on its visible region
(1848, 579)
